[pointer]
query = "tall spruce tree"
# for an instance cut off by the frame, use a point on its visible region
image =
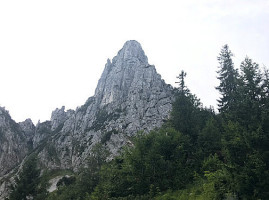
(188, 115)
(250, 94)
(227, 75)
(184, 108)
(182, 89)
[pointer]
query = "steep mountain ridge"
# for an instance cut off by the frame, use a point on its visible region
(15, 141)
(130, 96)
(15, 144)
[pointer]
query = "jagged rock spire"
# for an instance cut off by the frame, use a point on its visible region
(126, 71)
(132, 49)
(130, 96)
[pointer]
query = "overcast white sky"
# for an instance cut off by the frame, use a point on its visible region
(53, 52)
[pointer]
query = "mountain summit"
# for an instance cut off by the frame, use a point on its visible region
(130, 97)
(118, 77)
(132, 49)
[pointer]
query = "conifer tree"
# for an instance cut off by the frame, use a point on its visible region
(184, 108)
(250, 93)
(227, 75)
(183, 90)
(26, 185)
(188, 116)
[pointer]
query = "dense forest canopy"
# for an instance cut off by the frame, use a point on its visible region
(197, 154)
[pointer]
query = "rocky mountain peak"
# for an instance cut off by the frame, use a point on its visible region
(58, 116)
(28, 127)
(27, 124)
(130, 96)
(128, 71)
(130, 83)
(133, 50)
(13, 142)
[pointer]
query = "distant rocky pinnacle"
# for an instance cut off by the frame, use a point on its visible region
(130, 97)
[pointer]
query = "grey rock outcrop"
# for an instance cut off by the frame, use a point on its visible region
(28, 128)
(130, 96)
(13, 142)
(130, 84)
(58, 117)
(42, 131)
(14, 147)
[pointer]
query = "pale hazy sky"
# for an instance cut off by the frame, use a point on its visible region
(53, 52)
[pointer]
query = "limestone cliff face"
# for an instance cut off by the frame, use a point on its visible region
(130, 96)
(15, 144)
(15, 141)
(130, 84)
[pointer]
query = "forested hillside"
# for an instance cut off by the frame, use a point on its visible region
(199, 153)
